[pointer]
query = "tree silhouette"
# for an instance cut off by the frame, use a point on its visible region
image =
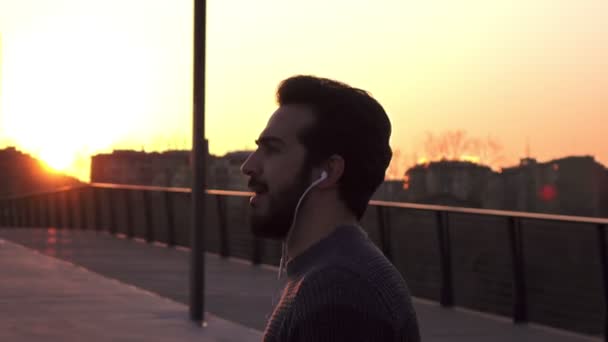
(447, 145)
(457, 145)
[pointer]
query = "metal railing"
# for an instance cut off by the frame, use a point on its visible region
(86, 208)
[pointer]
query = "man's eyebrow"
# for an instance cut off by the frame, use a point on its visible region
(269, 140)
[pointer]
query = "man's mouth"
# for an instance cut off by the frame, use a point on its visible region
(256, 198)
(259, 191)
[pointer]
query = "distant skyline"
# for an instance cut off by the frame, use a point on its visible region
(78, 77)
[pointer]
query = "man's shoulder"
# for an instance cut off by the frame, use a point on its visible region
(347, 295)
(368, 283)
(337, 285)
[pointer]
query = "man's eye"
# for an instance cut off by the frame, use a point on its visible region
(269, 149)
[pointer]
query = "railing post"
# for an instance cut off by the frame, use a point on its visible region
(97, 215)
(445, 255)
(384, 232)
(601, 239)
(17, 214)
(223, 226)
(38, 209)
(39, 215)
(59, 210)
(81, 199)
(148, 216)
(109, 194)
(129, 213)
(170, 219)
(29, 211)
(49, 210)
(258, 249)
(69, 211)
(7, 213)
(2, 213)
(43, 210)
(519, 280)
(20, 219)
(25, 211)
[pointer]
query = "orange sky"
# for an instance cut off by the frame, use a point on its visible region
(83, 76)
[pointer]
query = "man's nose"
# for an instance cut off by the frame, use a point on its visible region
(250, 167)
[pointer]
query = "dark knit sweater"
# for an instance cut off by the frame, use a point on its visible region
(343, 289)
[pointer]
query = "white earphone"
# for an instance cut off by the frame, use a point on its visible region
(323, 177)
(293, 222)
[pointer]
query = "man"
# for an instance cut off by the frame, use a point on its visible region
(320, 158)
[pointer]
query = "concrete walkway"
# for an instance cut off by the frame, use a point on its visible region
(46, 299)
(50, 297)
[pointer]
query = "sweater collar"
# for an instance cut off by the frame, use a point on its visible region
(323, 248)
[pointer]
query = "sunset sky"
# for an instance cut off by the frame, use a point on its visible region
(80, 77)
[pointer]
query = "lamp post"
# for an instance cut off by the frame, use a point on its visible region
(198, 162)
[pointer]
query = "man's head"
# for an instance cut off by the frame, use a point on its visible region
(320, 125)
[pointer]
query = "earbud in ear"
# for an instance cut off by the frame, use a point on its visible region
(323, 175)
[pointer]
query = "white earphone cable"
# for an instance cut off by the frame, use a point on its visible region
(293, 222)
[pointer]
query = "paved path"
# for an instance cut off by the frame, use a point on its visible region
(235, 290)
(51, 300)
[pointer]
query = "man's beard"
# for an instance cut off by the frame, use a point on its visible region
(276, 222)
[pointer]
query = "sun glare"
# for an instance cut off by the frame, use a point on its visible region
(56, 160)
(79, 99)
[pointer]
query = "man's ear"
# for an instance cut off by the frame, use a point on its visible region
(334, 167)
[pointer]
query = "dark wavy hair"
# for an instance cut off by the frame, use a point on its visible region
(348, 122)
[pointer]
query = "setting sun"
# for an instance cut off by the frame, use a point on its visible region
(56, 160)
(82, 97)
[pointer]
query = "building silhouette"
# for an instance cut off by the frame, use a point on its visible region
(167, 169)
(20, 173)
(575, 185)
(456, 183)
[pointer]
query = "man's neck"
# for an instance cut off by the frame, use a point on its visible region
(314, 228)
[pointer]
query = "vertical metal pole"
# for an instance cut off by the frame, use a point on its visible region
(170, 219)
(29, 212)
(15, 213)
(97, 214)
(445, 255)
(21, 210)
(5, 213)
(601, 237)
(2, 213)
(258, 251)
(24, 214)
(38, 209)
(26, 211)
(69, 205)
(148, 216)
(129, 213)
(113, 209)
(83, 207)
(223, 226)
(59, 209)
(519, 282)
(384, 232)
(50, 216)
(199, 155)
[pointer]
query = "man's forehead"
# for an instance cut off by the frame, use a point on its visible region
(287, 121)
